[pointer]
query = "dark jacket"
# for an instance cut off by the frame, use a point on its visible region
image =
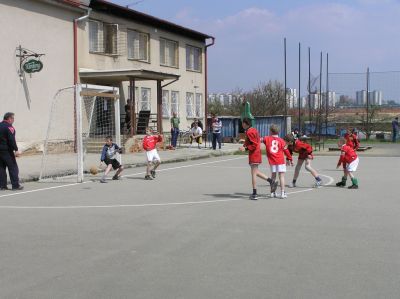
(7, 137)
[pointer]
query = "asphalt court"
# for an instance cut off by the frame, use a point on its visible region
(193, 233)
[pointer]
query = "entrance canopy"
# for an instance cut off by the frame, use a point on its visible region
(117, 76)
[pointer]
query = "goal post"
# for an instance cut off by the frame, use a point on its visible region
(75, 134)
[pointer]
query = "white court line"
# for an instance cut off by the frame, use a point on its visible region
(128, 175)
(331, 180)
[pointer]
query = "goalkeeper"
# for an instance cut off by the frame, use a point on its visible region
(109, 157)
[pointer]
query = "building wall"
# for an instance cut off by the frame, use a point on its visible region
(42, 28)
(189, 81)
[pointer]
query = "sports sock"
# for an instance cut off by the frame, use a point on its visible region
(254, 191)
(354, 181)
(344, 179)
(294, 182)
(318, 178)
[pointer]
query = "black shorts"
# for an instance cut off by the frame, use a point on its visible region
(114, 162)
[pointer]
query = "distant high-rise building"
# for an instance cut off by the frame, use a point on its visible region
(375, 97)
(361, 97)
(291, 94)
(331, 99)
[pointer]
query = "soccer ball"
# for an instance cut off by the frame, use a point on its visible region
(93, 170)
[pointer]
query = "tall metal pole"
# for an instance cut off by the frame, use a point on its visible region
(327, 95)
(309, 88)
(284, 46)
(368, 120)
(320, 98)
(298, 95)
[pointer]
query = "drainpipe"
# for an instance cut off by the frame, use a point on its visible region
(76, 21)
(206, 82)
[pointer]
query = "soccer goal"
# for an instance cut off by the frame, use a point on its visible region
(80, 118)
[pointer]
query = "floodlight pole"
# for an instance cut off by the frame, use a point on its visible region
(309, 88)
(284, 47)
(298, 96)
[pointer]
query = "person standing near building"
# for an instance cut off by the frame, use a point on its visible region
(395, 129)
(8, 153)
(216, 128)
(175, 121)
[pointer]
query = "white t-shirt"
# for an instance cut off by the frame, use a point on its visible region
(196, 131)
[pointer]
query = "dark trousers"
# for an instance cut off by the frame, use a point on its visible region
(7, 160)
(216, 137)
(174, 136)
(394, 136)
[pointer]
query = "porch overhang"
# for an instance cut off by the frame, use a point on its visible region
(117, 76)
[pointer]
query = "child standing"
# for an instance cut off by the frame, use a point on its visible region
(109, 157)
(349, 158)
(252, 145)
(153, 159)
(305, 156)
(276, 150)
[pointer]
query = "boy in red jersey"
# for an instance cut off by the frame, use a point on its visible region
(305, 155)
(352, 139)
(252, 145)
(349, 158)
(153, 159)
(276, 152)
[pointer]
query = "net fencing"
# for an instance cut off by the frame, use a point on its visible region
(365, 101)
(75, 137)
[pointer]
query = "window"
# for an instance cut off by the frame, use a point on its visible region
(168, 53)
(198, 103)
(103, 37)
(138, 45)
(165, 103)
(193, 58)
(145, 99)
(189, 104)
(175, 102)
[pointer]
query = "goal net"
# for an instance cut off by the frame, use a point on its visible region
(76, 133)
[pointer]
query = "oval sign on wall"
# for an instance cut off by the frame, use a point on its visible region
(32, 66)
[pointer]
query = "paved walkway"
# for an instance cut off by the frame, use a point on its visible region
(62, 164)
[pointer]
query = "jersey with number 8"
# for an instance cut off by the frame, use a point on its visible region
(276, 150)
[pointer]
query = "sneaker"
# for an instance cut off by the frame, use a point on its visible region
(103, 181)
(18, 188)
(4, 188)
(292, 185)
(274, 185)
(153, 174)
(272, 195)
(283, 194)
(353, 187)
(340, 184)
(253, 197)
(318, 184)
(147, 177)
(115, 177)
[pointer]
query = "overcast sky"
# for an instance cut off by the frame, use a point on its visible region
(249, 36)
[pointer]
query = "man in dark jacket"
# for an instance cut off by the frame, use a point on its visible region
(8, 153)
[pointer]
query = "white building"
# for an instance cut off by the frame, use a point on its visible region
(332, 101)
(375, 97)
(361, 98)
(291, 94)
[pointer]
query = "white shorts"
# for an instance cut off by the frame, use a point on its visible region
(152, 155)
(278, 168)
(353, 165)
